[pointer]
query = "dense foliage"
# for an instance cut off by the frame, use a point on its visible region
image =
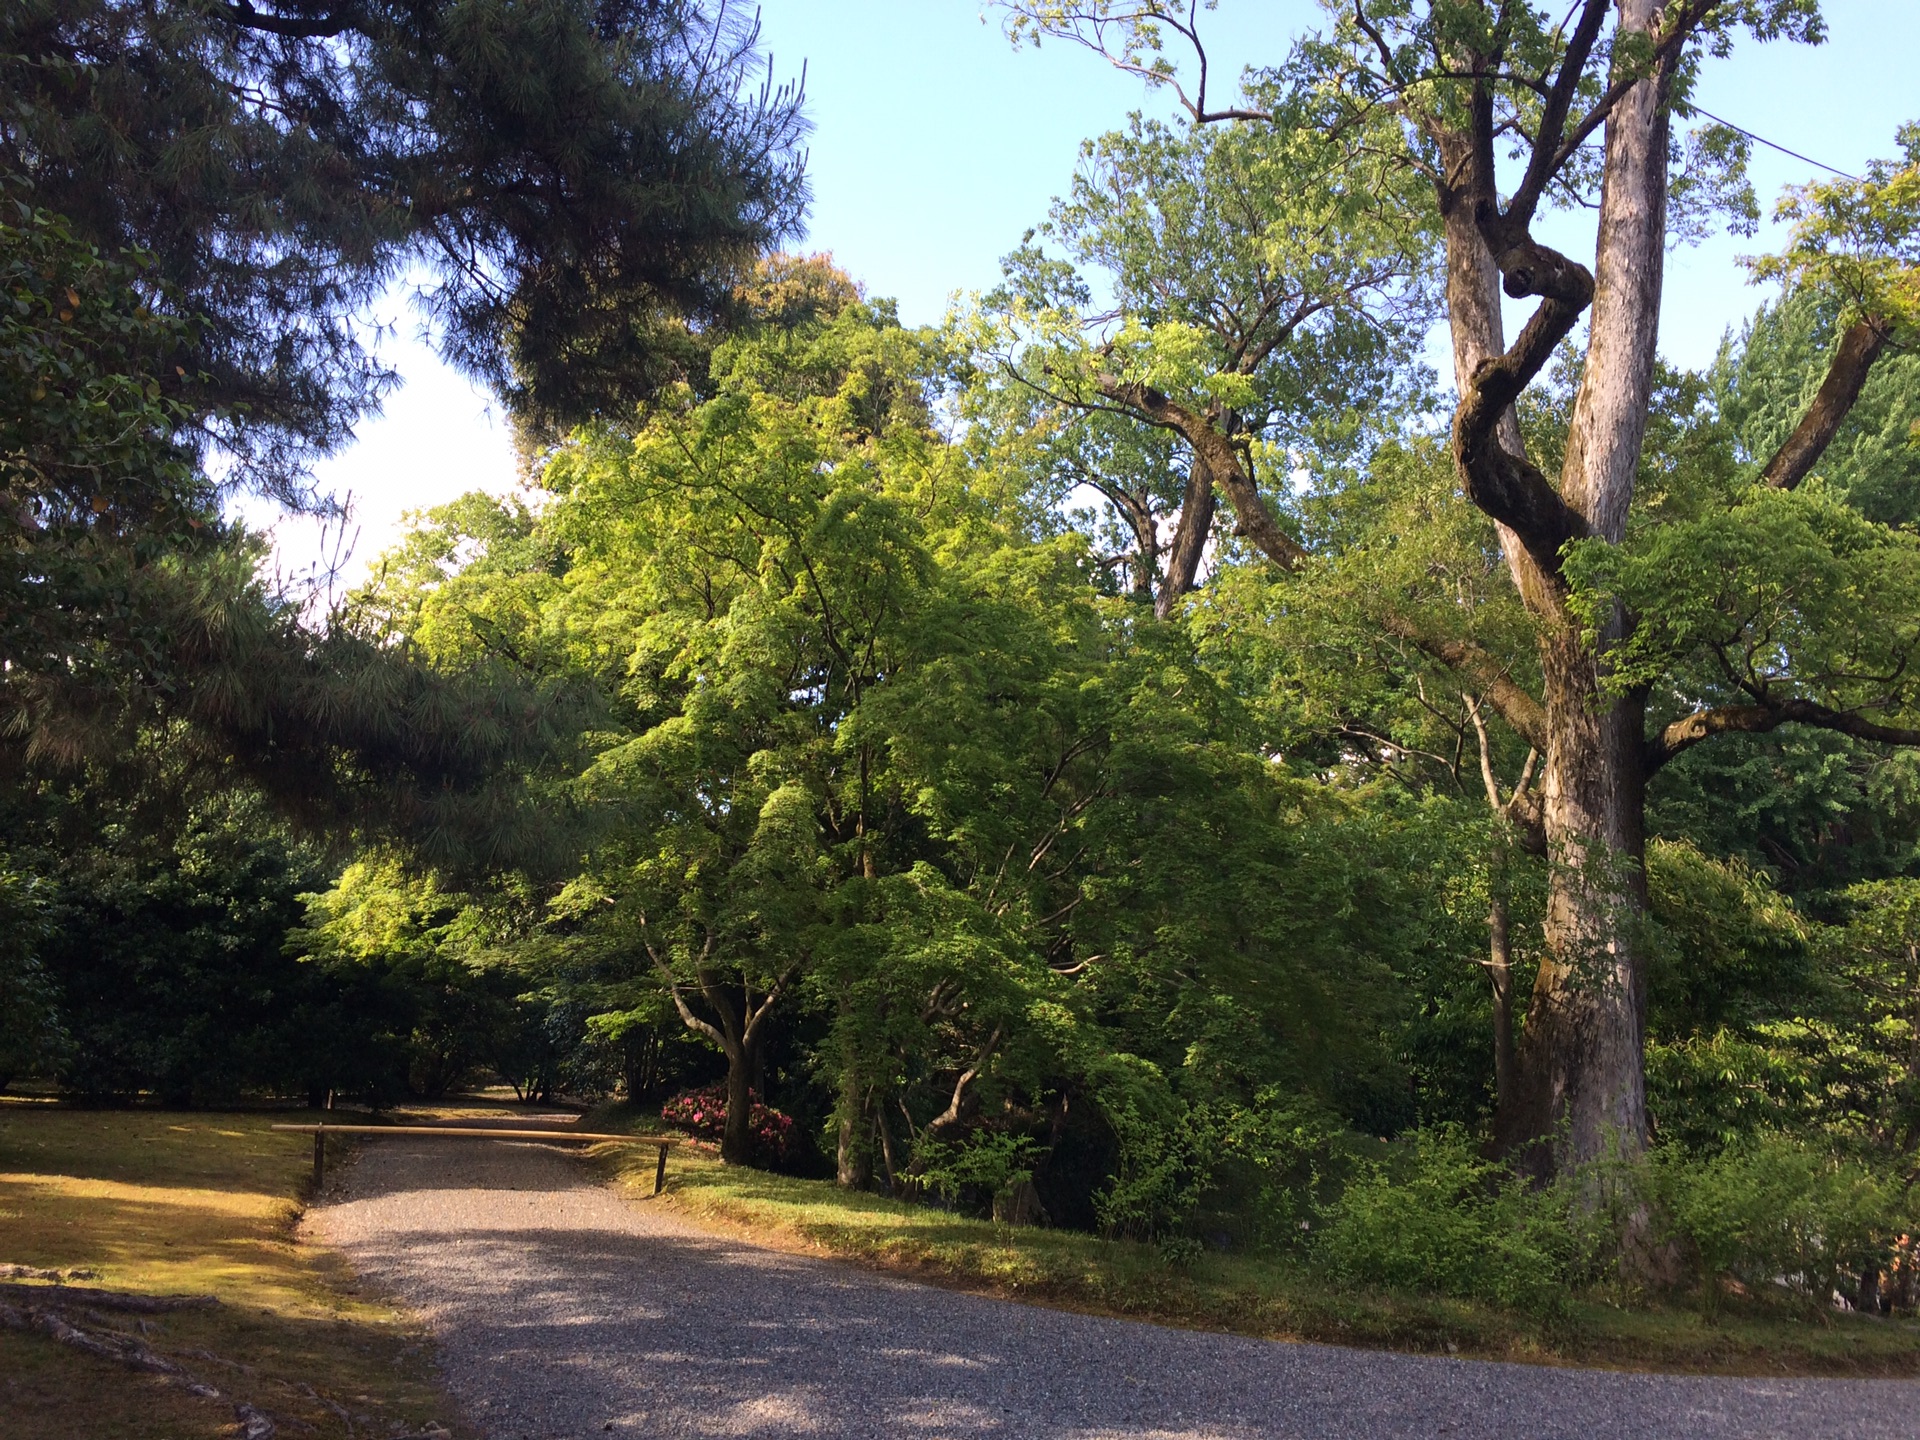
(1071, 764)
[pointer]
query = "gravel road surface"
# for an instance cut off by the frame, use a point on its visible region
(565, 1310)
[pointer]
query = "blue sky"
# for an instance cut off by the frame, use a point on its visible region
(937, 143)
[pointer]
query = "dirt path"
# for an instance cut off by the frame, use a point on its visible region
(564, 1310)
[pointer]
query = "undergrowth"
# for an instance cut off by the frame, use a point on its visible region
(1510, 1304)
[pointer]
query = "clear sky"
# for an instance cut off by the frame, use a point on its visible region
(937, 143)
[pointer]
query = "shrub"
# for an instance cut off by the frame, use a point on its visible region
(988, 1163)
(703, 1112)
(1436, 1217)
(1157, 1173)
(1776, 1213)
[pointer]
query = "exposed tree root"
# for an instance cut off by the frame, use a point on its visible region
(314, 1395)
(121, 1349)
(34, 1272)
(64, 1295)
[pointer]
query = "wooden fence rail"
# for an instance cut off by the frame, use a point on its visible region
(478, 1132)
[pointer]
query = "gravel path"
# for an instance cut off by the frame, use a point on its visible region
(564, 1310)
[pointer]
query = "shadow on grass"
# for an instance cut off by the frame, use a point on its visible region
(161, 1203)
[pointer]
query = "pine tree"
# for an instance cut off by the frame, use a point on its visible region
(578, 181)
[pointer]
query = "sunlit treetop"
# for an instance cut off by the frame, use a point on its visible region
(1858, 240)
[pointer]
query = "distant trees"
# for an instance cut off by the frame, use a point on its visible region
(168, 953)
(163, 938)
(32, 1034)
(1232, 306)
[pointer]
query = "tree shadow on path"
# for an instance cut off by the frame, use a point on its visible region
(565, 1311)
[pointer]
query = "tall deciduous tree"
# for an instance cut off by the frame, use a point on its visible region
(1586, 106)
(734, 579)
(1243, 293)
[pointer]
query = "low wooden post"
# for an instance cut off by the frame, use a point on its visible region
(319, 1157)
(660, 1172)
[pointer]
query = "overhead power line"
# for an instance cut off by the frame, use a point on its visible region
(1771, 145)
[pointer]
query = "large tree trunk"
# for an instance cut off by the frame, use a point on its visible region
(852, 1169)
(1189, 539)
(1478, 334)
(1860, 345)
(853, 1161)
(1579, 1085)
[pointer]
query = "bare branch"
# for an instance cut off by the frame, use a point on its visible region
(1685, 22)
(1545, 161)
(1486, 749)
(692, 1021)
(950, 1117)
(1519, 709)
(774, 992)
(1087, 26)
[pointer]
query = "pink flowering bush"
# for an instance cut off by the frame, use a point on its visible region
(704, 1113)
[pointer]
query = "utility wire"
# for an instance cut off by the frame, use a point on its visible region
(1762, 140)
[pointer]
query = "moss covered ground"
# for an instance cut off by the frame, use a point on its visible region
(163, 1203)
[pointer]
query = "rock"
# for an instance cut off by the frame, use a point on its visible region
(1019, 1204)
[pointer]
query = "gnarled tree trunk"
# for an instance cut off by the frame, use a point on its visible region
(1581, 1082)
(1578, 1085)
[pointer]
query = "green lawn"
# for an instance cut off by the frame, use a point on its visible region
(162, 1203)
(1242, 1293)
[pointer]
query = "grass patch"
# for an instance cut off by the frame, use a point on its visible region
(1244, 1294)
(169, 1203)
